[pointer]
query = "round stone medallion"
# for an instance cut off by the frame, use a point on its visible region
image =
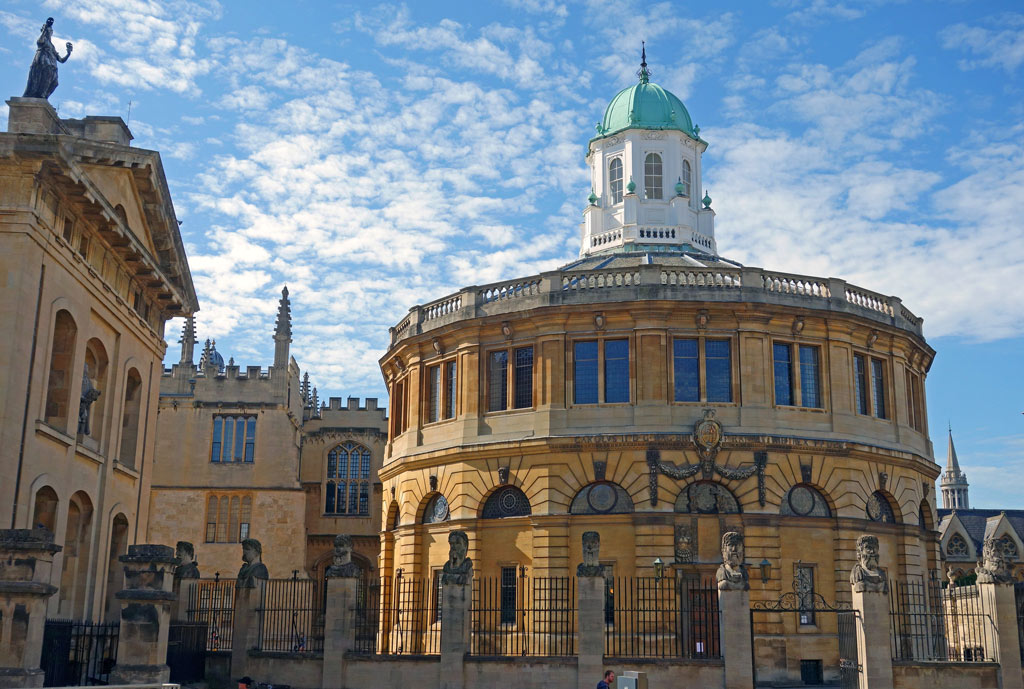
(440, 511)
(601, 497)
(801, 500)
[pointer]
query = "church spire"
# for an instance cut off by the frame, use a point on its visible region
(644, 73)
(954, 481)
(282, 331)
(188, 341)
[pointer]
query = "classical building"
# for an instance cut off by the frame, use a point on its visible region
(93, 266)
(252, 454)
(663, 395)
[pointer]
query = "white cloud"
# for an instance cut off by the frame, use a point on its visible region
(1000, 46)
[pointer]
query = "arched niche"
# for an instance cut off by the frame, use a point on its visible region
(44, 511)
(60, 378)
(130, 417)
(601, 497)
(77, 556)
(804, 500)
(96, 371)
(394, 517)
(880, 507)
(507, 501)
(115, 573)
(706, 497)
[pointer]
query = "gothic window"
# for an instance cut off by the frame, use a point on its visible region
(706, 497)
(652, 176)
(506, 502)
(130, 418)
(1009, 548)
(686, 178)
(436, 510)
(615, 179)
(957, 547)
(347, 487)
(234, 438)
(879, 510)
(60, 379)
(228, 518)
(601, 497)
(805, 501)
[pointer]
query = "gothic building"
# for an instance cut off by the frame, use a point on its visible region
(661, 394)
(93, 266)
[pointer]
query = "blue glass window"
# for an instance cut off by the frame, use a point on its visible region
(523, 389)
(347, 490)
(450, 376)
(718, 370)
(497, 381)
(616, 371)
(783, 374)
(234, 439)
(878, 387)
(860, 384)
(250, 438)
(686, 372)
(810, 383)
(585, 372)
(218, 430)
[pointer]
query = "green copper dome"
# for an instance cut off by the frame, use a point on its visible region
(645, 106)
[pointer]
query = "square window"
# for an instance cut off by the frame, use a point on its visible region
(718, 370)
(783, 365)
(616, 371)
(810, 384)
(523, 387)
(685, 370)
(497, 381)
(585, 372)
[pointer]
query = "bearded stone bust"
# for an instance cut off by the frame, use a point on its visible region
(993, 568)
(732, 574)
(459, 568)
(866, 576)
(591, 567)
(342, 565)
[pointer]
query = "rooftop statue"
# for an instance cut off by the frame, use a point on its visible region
(42, 75)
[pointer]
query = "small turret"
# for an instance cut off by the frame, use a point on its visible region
(282, 332)
(188, 341)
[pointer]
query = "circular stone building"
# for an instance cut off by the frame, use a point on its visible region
(662, 395)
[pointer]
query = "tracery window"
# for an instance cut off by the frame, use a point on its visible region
(506, 502)
(436, 511)
(686, 178)
(1009, 548)
(879, 510)
(957, 547)
(347, 491)
(652, 176)
(615, 179)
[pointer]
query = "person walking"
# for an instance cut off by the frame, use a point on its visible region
(609, 679)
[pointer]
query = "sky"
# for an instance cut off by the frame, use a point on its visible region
(377, 156)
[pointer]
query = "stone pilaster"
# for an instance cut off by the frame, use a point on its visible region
(455, 619)
(590, 604)
(998, 604)
(736, 639)
(245, 625)
(146, 604)
(26, 557)
(339, 628)
(873, 652)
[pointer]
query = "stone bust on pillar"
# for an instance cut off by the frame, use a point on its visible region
(253, 567)
(342, 565)
(866, 576)
(187, 568)
(459, 568)
(732, 574)
(993, 568)
(590, 567)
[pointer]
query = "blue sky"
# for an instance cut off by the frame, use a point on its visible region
(377, 156)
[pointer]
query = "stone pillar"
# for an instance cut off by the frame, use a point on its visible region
(455, 619)
(339, 615)
(999, 605)
(26, 557)
(590, 603)
(870, 586)
(245, 625)
(736, 639)
(146, 604)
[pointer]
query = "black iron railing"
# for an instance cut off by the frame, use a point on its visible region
(523, 616)
(412, 617)
(935, 624)
(367, 614)
(78, 653)
(646, 617)
(212, 601)
(186, 651)
(291, 614)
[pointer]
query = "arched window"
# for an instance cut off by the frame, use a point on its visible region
(347, 487)
(601, 497)
(652, 176)
(393, 517)
(615, 179)
(686, 178)
(803, 500)
(130, 418)
(60, 379)
(879, 509)
(1009, 548)
(96, 373)
(957, 547)
(436, 510)
(506, 502)
(706, 497)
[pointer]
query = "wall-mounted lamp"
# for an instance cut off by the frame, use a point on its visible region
(659, 569)
(766, 570)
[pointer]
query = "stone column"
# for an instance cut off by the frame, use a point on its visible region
(870, 586)
(455, 619)
(995, 591)
(146, 604)
(26, 557)
(736, 640)
(339, 615)
(245, 625)
(590, 648)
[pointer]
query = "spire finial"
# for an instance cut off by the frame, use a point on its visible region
(644, 73)
(283, 327)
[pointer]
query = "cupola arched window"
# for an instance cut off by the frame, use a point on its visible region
(506, 502)
(803, 500)
(601, 497)
(652, 176)
(347, 491)
(686, 178)
(615, 179)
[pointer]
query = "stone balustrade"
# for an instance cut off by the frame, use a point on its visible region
(656, 283)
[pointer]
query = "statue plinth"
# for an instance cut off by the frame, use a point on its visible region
(33, 116)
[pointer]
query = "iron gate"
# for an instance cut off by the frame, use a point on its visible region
(78, 653)
(186, 651)
(808, 605)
